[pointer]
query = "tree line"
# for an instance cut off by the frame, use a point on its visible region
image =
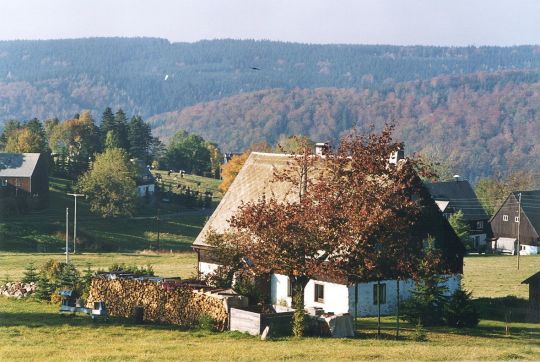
(72, 144)
(150, 76)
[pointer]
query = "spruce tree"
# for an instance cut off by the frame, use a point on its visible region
(121, 129)
(30, 275)
(107, 124)
(44, 288)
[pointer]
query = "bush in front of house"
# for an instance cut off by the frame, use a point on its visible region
(426, 306)
(460, 310)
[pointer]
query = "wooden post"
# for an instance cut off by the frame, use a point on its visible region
(378, 308)
(397, 309)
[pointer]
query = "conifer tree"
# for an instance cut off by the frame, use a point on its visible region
(30, 275)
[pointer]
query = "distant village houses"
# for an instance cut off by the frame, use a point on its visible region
(24, 177)
(145, 180)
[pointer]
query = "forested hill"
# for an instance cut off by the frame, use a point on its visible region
(484, 123)
(147, 76)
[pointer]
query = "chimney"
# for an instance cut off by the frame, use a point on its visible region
(397, 155)
(322, 148)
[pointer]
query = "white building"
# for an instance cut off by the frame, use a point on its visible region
(252, 182)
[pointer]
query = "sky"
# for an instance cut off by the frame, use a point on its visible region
(399, 22)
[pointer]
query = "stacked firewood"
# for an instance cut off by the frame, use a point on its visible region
(177, 303)
(17, 289)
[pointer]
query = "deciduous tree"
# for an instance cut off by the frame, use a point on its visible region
(110, 184)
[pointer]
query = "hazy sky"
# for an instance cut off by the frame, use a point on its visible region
(449, 22)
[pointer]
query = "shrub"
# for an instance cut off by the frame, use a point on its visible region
(206, 323)
(460, 311)
(30, 274)
(244, 286)
(133, 269)
(427, 303)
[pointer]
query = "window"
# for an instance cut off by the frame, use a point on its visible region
(516, 219)
(379, 294)
(4, 182)
(289, 287)
(18, 182)
(505, 217)
(479, 225)
(319, 293)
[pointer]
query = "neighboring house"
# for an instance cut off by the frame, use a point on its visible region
(328, 292)
(534, 294)
(515, 217)
(25, 177)
(145, 179)
(452, 196)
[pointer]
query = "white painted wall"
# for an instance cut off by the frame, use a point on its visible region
(336, 296)
(366, 306)
(206, 268)
(339, 298)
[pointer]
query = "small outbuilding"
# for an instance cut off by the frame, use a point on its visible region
(534, 294)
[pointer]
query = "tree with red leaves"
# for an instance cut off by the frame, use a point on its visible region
(350, 214)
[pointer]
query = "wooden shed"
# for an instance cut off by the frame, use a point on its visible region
(534, 294)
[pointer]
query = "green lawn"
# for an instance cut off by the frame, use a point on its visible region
(497, 275)
(35, 331)
(178, 264)
(45, 230)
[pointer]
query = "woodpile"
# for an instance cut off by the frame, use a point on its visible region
(17, 289)
(163, 302)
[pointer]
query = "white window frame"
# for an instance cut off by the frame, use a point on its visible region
(505, 217)
(480, 225)
(4, 182)
(516, 219)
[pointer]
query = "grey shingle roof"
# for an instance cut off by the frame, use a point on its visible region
(18, 164)
(460, 196)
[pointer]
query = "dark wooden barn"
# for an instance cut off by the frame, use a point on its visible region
(518, 214)
(24, 176)
(534, 294)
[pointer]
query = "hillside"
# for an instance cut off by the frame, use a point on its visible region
(148, 76)
(484, 122)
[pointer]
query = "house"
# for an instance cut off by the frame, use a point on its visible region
(145, 180)
(25, 177)
(534, 294)
(327, 291)
(456, 195)
(518, 217)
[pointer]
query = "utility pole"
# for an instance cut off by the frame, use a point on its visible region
(519, 227)
(67, 235)
(157, 220)
(75, 221)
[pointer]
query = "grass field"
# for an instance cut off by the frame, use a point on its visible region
(45, 230)
(35, 331)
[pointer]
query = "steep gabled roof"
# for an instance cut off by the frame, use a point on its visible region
(251, 183)
(254, 181)
(532, 278)
(18, 164)
(530, 204)
(457, 195)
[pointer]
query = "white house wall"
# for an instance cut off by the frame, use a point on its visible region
(336, 296)
(367, 307)
(339, 298)
(207, 268)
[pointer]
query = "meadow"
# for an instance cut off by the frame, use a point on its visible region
(35, 331)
